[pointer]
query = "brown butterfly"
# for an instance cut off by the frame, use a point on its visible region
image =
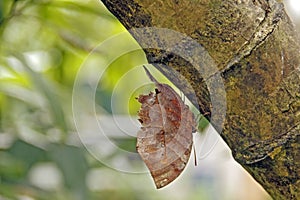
(165, 139)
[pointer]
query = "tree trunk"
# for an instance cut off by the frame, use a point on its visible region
(256, 52)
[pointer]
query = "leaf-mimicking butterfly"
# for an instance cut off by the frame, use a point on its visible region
(165, 139)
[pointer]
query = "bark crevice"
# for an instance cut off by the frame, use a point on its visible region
(273, 15)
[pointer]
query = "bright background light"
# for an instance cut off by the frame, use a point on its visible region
(294, 6)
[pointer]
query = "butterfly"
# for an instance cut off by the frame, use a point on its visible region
(165, 139)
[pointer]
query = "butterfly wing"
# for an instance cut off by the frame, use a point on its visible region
(165, 140)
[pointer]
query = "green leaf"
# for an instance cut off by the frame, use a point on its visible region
(46, 90)
(27, 154)
(202, 124)
(72, 162)
(10, 167)
(125, 143)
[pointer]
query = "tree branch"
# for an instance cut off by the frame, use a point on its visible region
(256, 51)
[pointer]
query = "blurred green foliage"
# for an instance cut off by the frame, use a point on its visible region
(42, 46)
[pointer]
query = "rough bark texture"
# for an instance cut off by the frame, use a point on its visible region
(256, 51)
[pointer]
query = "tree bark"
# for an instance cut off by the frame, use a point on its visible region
(256, 51)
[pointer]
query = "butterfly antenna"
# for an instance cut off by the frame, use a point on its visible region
(150, 75)
(195, 156)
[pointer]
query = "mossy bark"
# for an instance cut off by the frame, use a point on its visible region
(256, 51)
